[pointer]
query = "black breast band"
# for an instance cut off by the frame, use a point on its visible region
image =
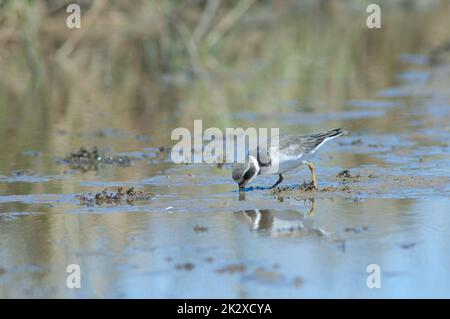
(259, 160)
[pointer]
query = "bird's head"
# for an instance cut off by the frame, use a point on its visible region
(244, 173)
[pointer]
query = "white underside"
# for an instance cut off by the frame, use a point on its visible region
(282, 167)
(278, 226)
(287, 163)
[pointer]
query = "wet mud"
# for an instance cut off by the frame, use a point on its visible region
(86, 159)
(108, 196)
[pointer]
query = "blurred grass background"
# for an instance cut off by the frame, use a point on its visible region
(151, 65)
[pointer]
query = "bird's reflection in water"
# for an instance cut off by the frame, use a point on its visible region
(281, 223)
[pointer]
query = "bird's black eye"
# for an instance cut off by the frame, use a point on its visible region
(249, 173)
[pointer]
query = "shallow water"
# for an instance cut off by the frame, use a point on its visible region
(197, 238)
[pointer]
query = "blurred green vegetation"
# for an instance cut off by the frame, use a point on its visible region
(149, 66)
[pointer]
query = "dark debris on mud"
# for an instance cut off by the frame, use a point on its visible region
(200, 228)
(185, 266)
(232, 269)
(354, 142)
(346, 175)
(408, 245)
(89, 159)
(309, 187)
(113, 197)
(305, 187)
(356, 230)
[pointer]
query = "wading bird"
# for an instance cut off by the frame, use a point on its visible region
(292, 151)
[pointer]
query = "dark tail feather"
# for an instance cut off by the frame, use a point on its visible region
(315, 140)
(329, 134)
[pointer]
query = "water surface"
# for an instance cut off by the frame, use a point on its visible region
(195, 238)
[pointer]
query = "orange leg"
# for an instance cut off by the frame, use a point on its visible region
(313, 173)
